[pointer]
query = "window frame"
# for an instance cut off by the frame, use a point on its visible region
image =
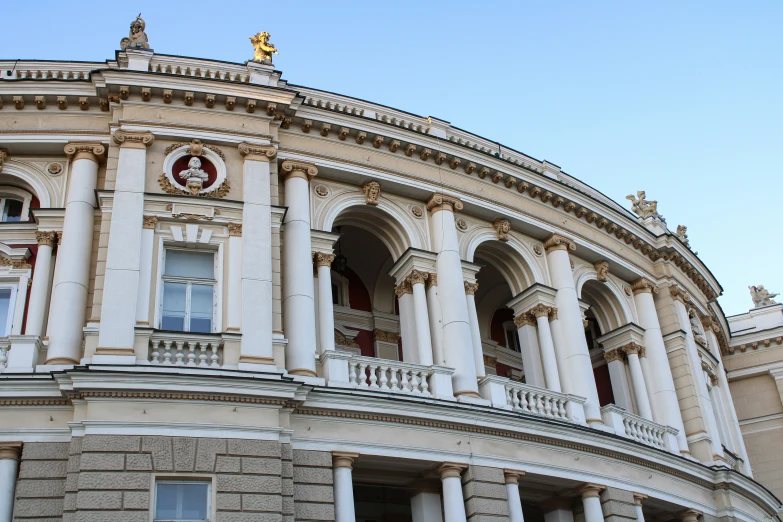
(18, 194)
(216, 284)
(183, 479)
(509, 328)
(14, 287)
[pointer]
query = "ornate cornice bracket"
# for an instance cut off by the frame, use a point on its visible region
(644, 285)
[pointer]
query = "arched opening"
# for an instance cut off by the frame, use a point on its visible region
(503, 275)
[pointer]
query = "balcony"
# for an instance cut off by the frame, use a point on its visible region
(532, 400)
(186, 349)
(636, 428)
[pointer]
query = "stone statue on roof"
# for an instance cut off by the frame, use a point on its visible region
(641, 206)
(137, 38)
(761, 296)
(263, 49)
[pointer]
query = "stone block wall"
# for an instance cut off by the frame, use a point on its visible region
(99, 478)
(313, 486)
(618, 505)
(484, 491)
(40, 488)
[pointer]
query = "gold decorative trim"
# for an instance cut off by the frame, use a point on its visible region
(385, 336)
(149, 222)
(470, 288)
(14, 263)
(323, 259)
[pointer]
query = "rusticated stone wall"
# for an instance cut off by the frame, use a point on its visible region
(313, 486)
(40, 489)
(484, 491)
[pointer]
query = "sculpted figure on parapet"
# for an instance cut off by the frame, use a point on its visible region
(137, 38)
(641, 206)
(761, 296)
(263, 49)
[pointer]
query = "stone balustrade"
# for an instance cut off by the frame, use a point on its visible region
(5, 345)
(185, 349)
(637, 428)
(531, 400)
(390, 376)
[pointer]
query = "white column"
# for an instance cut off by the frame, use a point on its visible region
(457, 342)
(72, 273)
(298, 289)
(42, 275)
(531, 352)
(578, 371)
(592, 502)
(436, 319)
(323, 263)
(453, 502)
(234, 308)
(637, 380)
(9, 464)
(512, 495)
(711, 427)
(619, 379)
(690, 515)
(256, 351)
(145, 270)
(343, 486)
(421, 317)
(543, 314)
(638, 498)
(665, 406)
(116, 334)
(426, 507)
(404, 293)
(478, 351)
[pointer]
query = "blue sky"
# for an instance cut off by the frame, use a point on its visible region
(682, 99)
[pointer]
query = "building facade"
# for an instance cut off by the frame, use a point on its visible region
(227, 297)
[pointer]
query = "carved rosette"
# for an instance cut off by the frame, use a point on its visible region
(291, 168)
(679, 294)
(46, 238)
(631, 348)
(235, 229)
(524, 319)
(614, 355)
(558, 242)
(323, 259)
(251, 151)
(91, 151)
(471, 288)
(138, 140)
(502, 228)
(372, 192)
(386, 337)
(443, 202)
(404, 287)
(643, 285)
(602, 270)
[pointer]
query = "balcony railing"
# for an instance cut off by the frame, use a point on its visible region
(390, 376)
(186, 349)
(531, 400)
(637, 428)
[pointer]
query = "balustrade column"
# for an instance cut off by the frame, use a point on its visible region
(323, 263)
(453, 502)
(512, 495)
(298, 288)
(9, 465)
(39, 294)
(421, 317)
(478, 351)
(256, 280)
(664, 402)
(543, 315)
(578, 371)
(638, 498)
(632, 351)
(343, 486)
(457, 341)
(72, 273)
(436, 319)
(592, 502)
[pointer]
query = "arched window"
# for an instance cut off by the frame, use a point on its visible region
(14, 204)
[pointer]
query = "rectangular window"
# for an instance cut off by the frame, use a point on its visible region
(188, 303)
(182, 501)
(7, 295)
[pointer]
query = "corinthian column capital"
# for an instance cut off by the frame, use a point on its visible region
(558, 242)
(251, 151)
(471, 288)
(291, 168)
(439, 202)
(323, 259)
(679, 294)
(133, 140)
(84, 150)
(46, 238)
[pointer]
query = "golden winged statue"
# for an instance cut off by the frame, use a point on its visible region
(263, 49)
